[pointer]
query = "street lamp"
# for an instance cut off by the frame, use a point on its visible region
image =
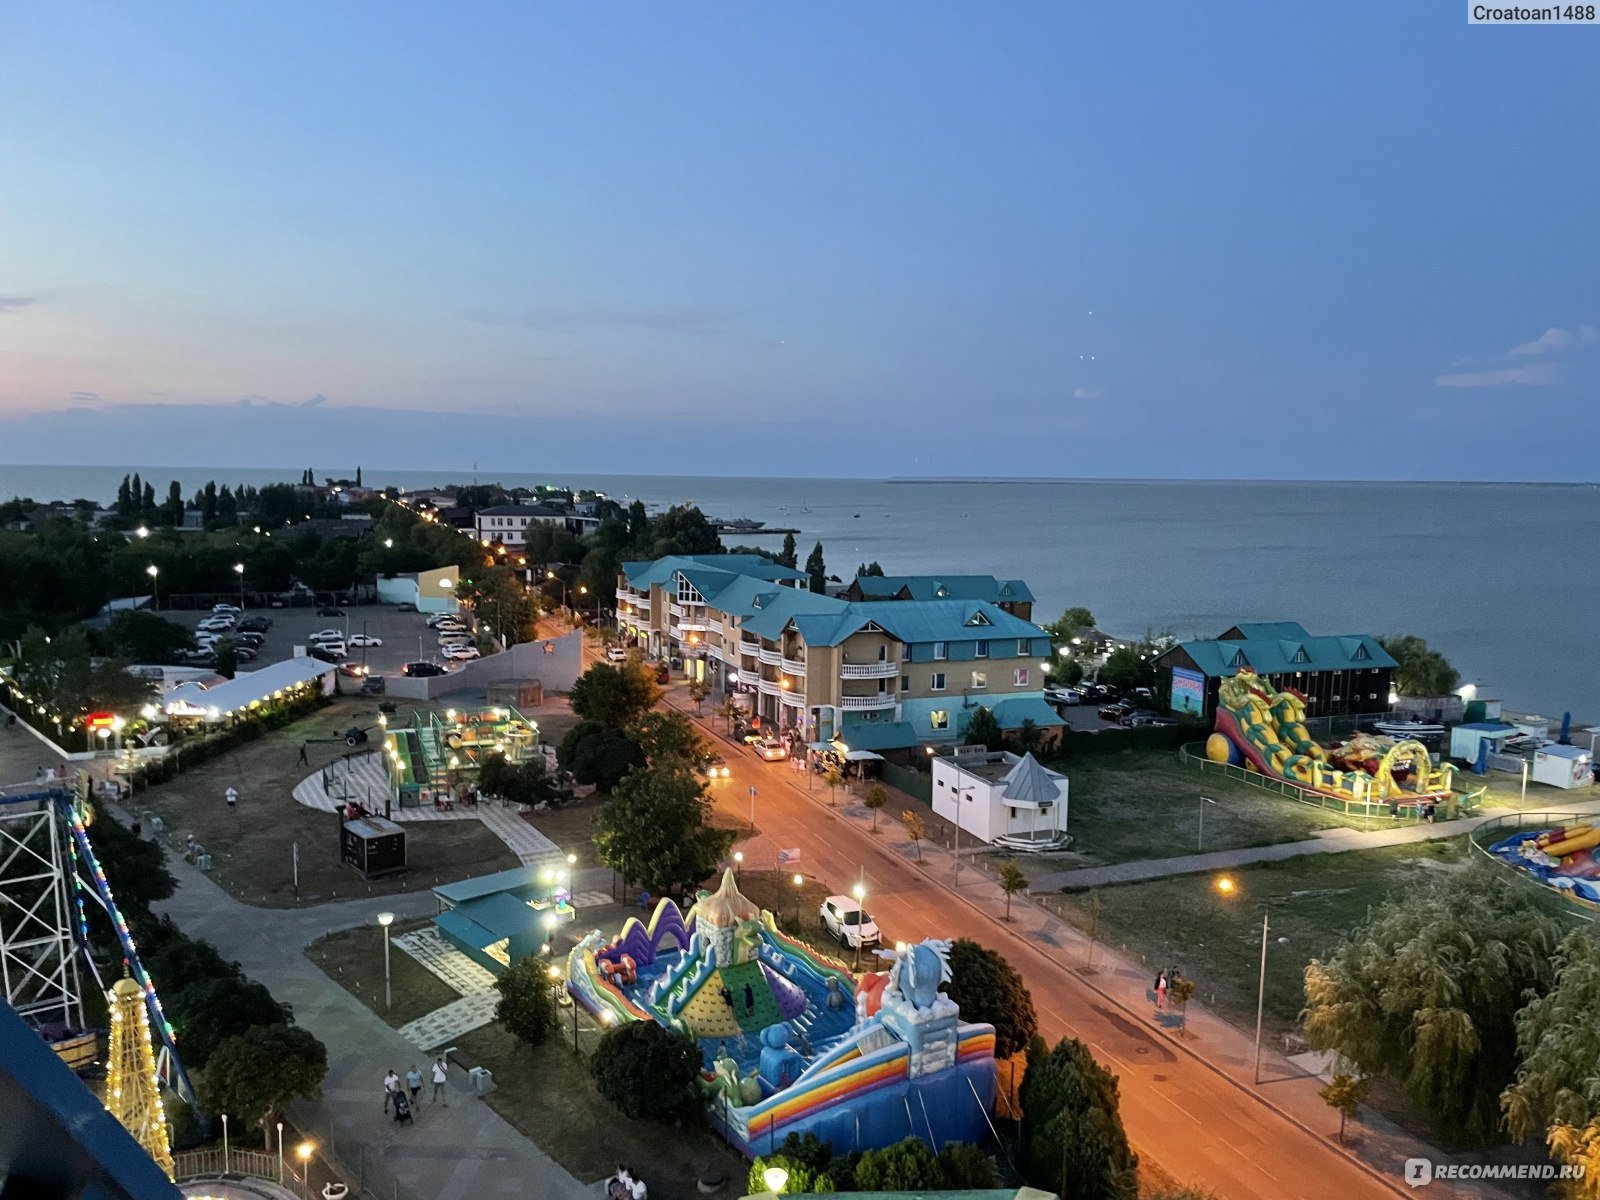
(860, 893)
(1200, 841)
(798, 881)
(776, 1179)
(238, 569)
(386, 919)
(303, 1152)
(1227, 887)
(155, 596)
(280, 1153)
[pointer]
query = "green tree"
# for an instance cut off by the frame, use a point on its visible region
(789, 556)
(1070, 624)
(1093, 910)
(172, 511)
(254, 1074)
(614, 696)
(875, 799)
(1558, 1041)
(1073, 1142)
(817, 570)
(1012, 881)
(907, 1166)
(1127, 668)
(833, 777)
(227, 658)
(989, 991)
(145, 637)
(699, 689)
(966, 1167)
(208, 1012)
(1344, 1094)
(801, 1181)
(527, 1004)
(916, 830)
(526, 783)
(647, 1071)
(599, 756)
(1421, 671)
(1426, 992)
(984, 730)
(135, 869)
(669, 738)
(655, 830)
(1180, 991)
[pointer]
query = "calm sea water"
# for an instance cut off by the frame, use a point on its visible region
(1503, 578)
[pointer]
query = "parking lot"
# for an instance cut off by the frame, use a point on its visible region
(405, 635)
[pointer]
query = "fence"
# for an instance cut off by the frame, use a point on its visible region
(213, 1160)
(911, 782)
(1399, 812)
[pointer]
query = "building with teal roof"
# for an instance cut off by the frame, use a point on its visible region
(1012, 595)
(1339, 674)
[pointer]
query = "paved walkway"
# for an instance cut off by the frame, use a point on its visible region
(1330, 841)
(450, 1153)
(444, 960)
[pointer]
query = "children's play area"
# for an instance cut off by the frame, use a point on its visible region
(433, 758)
(790, 1040)
(1561, 855)
(1264, 730)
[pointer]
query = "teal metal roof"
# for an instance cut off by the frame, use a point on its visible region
(660, 570)
(1276, 655)
(770, 611)
(464, 930)
(943, 587)
(878, 735)
(503, 915)
(1010, 714)
(488, 885)
(1272, 629)
(914, 621)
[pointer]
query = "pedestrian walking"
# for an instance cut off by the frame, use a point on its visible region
(414, 1081)
(391, 1088)
(302, 761)
(441, 1074)
(1161, 991)
(232, 797)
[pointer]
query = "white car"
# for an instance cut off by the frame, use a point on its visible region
(216, 624)
(460, 652)
(847, 921)
(438, 619)
(1063, 695)
(332, 647)
(617, 654)
(327, 635)
(226, 610)
(456, 639)
(363, 639)
(452, 627)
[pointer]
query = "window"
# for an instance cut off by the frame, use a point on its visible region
(982, 651)
(936, 681)
(979, 680)
(1019, 677)
(883, 654)
(1023, 647)
(939, 719)
(939, 652)
(905, 683)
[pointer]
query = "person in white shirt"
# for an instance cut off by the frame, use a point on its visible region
(391, 1085)
(441, 1073)
(640, 1192)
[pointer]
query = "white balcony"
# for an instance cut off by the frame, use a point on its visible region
(795, 666)
(874, 670)
(675, 609)
(792, 699)
(771, 658)
(627, 596)
(714, 625)
(752, 649)
(881, 700)
(770, 687)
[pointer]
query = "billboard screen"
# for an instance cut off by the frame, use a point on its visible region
(1188, 692)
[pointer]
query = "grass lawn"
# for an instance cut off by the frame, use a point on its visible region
(571, 827)
(353, 958)
(1505, 791)
(1139, 805)
(1185, 923)
(252, 847)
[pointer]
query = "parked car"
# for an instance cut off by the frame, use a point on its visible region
(363, 639)
(1097, 692)
(330, 612)
(1141, 717)
(455, 639)
(453, 623)
(1114, 711)
(327, 635)
(254, 640)
(331, 647)
(323, 654)
(405, 607)
(437, 619)
(846, 920)
(616, 654)
(231, 610)
(216, 624)
(244, 654)
(1063, 695)
(421, 670)
(197, 658)
(772, 749)
(256, 624)
(461, 652)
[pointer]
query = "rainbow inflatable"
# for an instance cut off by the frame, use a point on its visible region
(789, 1040)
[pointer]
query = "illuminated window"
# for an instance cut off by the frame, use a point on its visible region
(980, 679)
(939, 719)
(1019, 677)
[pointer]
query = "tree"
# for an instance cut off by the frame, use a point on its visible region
(527, 1004)
(984, 730)
(1180, 991)
(145, 637)
(256, 1073)
(965, 1166)
(208, 1012)
(1012, 881)
(916, 829)
(728, 710)
(1126, 668)
(1420, 671)
(789, 556)
(172, 511)
(1578, 1148)
(647, 1071)
(870, 569)
(1073, 1142)
(1344, 1094)
(989, 991)
(817, 570)
(613, 696)
(1427, 989)
(1028, 735)
(655, 831)
(1070, 624)
(528, 783)
(1093, 909)
(135, 869)
(699, 689)
(669, 738)
(875, 799)
(833, 777)
(124, 506)
(907, 1166)
(1558, 1041)
(227, 658)
(599, 756)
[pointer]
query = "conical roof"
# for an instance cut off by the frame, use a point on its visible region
(726, 905)
(1030, 783)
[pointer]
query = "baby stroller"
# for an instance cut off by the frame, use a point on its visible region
(402, 1108)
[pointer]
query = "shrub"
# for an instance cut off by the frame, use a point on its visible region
(647, 1071)
(527, 1004)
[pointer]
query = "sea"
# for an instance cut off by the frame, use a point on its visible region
(1503, 578)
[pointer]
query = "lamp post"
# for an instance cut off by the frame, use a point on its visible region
(860, 893)
(155, 595)
(386, 919)
(303, 1153)
(1227, 888)
(225, 1167)
(738, 862)
(798, 881)
(280, 1153)
(752, 808)
(1200, 841)
(238, 569)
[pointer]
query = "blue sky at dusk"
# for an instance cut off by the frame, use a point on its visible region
(1329, 241)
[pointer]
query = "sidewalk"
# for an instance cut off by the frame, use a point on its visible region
(450, 1153)
(1331, 841)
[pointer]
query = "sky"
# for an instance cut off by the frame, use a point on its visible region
(1350, 240)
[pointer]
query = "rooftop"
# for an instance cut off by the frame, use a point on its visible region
(1282, 648)
(942, 587)
(248, 687)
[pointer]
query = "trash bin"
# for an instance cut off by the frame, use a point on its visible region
(203, 861)
(482, 1080)
(155, 825)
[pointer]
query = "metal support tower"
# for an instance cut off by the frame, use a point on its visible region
(38, 952)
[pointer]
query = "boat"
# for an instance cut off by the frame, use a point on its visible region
(1408, 729)
(738, 525)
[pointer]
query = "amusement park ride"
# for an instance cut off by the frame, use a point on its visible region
(49, 873)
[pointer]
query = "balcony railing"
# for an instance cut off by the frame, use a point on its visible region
(753, 649)
(795, 666)
(714, 625)
(771, 658)
(881, 700)
(793, 699)
(873, 670)
(675, 609)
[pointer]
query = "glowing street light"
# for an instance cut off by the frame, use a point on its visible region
(155, 598)
(386, 919)
(776, 1179)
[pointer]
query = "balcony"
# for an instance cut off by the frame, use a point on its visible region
(770, 658)
(753, 649)
(675, 609)
(714, 625)
(795, 666)
(792, 699)
(872, 670)
(858, 703)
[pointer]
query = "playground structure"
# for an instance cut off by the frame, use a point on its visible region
(790, 1041)
(1559, 850)
(1265, 731)
(48, 874)
(437, 754)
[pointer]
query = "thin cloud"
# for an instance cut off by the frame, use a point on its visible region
(86, 396)
(12, 303)
(1534, 375)
(1551, 341)
(1086, 393)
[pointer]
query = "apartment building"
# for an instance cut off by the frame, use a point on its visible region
(878, 675)
(1008, 595)
(508, 523)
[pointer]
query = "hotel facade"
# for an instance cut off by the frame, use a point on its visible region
(876, 674)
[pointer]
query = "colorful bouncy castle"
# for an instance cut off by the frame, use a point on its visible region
(1265, 730)
(1564, 857)
(790, 1041)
